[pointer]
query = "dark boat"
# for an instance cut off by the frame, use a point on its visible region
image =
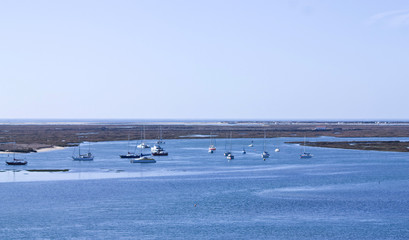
(16, 162)
(130, 155)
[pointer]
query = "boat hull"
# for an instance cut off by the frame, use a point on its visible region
(143, 161)
(16, 163)
(160, 154)
(83, 158)
(130, 156)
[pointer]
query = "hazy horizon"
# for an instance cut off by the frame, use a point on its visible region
(229, 59)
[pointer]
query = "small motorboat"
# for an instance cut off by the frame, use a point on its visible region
(230, 156)
(306, 155)
(157, 150)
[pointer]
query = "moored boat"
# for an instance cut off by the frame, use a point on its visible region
(130, 155)
(16, 162)
(143, 160)
(305, 154)
(157, 150)
(265, 154)
(229, 155)
(83, 157)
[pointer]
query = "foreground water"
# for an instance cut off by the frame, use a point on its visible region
(191, 194)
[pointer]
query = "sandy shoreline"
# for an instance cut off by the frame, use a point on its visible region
(39, 150)
(50, 149)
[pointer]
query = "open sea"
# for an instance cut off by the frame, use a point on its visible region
(191, 194)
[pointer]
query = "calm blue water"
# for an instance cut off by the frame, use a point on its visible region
(191, 194)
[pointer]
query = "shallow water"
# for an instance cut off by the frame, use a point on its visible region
(191, 194)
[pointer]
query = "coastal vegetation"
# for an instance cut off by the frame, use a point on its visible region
(389, 146)
(32, 137)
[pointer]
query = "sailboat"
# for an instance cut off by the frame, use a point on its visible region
(244, 151)
(230, 155)
(226, 153)
(305, 155)
(251, 144)
(16, 161)
(83, 157)
(143, 144)
(143, 159)
(277, 149)
(265, 154)
(129, 154)
(212, 146)
(160, 141)
(157, 150)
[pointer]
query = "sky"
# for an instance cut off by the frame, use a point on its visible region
(204, 59)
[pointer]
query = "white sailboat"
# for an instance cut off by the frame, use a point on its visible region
(251, 144)
(143, 144)
(160, 141)
(265, 154)
(226, 152)
(230, 155)
(305, 155)
(83, 157)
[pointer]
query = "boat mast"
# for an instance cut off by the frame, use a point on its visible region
(230, 141)
(128, 142)
(264, 142)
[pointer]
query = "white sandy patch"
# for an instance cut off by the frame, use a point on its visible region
(50, 149)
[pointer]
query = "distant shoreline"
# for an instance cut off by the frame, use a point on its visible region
(385, 146)
(34, 137)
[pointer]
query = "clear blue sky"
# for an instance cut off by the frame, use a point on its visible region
(204, 59)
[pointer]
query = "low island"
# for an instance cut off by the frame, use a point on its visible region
(31, 137)
(389, 146)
